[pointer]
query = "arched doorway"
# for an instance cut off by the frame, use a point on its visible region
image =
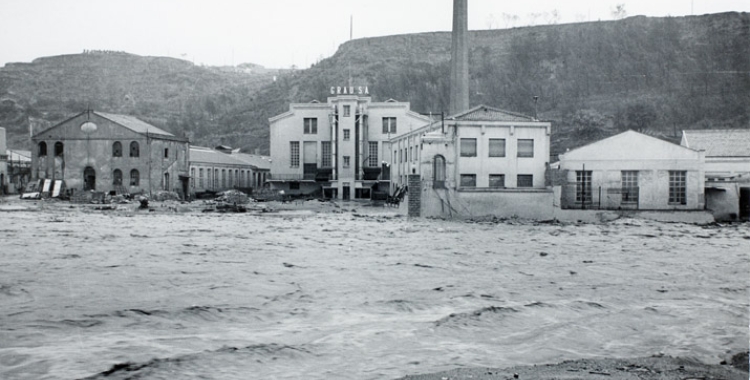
(89, 178)
(166, 181)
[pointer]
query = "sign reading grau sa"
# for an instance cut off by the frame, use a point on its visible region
(350, 90)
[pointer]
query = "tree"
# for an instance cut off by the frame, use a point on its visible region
(638, 117)
(619, 12)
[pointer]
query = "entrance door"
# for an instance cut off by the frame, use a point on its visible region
(744, 203)
(345, 189)
(89, 178)
(166, 181)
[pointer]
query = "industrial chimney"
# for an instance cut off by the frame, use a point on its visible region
(459, 90)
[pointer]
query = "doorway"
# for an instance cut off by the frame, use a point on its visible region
(744, 203)
(89, 179)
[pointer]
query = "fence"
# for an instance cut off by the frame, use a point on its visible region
(606, 197)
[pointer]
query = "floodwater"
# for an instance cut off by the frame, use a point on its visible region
(347, 296)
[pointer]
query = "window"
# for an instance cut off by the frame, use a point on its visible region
(42, 149)
(166, 152)
(677, 187)
(135, 178)
(525, 180)
(583, 186)
(117, 149)
(400, 155)
(117, 177)
(325, 148)
(372, 159)
(630, 186)
(294, 185)
(347, 134)
(346, 161)
(216, 178)
(223, 178)
(497, 180)
(134, 149)
(389, 125)
(200, 178)
(438, 172)
(525, 148)
(231, 179)
(468, 180)
(311, 125)
(58, 149)
(497, 148)
(294, 154)
(468, 147)
(192, 177)
(347, 111)
(411, 154)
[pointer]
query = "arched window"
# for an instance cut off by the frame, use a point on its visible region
(134, 149)
(42, 149)
(216, 178)
(117, 177)
(438, 172)
(135, 178)
(58, 149)
(117, 149)
(223, 178)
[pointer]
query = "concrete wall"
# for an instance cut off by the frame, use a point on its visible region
(81, 150)
(536, 204)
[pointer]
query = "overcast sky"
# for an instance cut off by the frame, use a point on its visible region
(277, 33)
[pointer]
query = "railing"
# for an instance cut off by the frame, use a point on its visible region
(607, 197)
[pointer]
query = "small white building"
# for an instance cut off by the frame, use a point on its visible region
(727, 170)
(632, 171)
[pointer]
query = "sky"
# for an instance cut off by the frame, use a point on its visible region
(278, 33)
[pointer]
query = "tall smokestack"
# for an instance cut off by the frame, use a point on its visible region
(459, 58)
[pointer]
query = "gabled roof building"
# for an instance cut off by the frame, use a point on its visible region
(111, 153)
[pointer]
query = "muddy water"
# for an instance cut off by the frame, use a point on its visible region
(340, 296)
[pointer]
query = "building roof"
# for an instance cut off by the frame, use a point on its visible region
(136, 125)
(630, 145)
(487, 113)
(260, 162)
(718, 142)
(210, 156)
(19, 155)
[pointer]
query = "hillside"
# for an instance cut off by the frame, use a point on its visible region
(659, 75)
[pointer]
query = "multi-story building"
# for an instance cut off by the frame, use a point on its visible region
(108, 152)
(340, 148)
(483, 161)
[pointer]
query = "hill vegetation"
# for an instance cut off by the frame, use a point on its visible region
(658, 75)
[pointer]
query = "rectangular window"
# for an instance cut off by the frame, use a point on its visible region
(347, 161)
(347, 111)
(525, 180)
(372, 159)
(166, 152)
(411, 154)
(629, 186)
(325, 148)
(347, 134)
(583, 186)
(497, 180)
(294, 154)
(468, 180)
(293, 185)
(677, 187)
(200, 177)
(311, 125)
(468, 147)
(389, 125)
(497, 148)
(525, 148)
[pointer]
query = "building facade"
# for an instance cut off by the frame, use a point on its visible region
(214, 170)
(632, 171)
(483, 161)
(4, 175)
(111, 153)
(727, 170)
(340, 148)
